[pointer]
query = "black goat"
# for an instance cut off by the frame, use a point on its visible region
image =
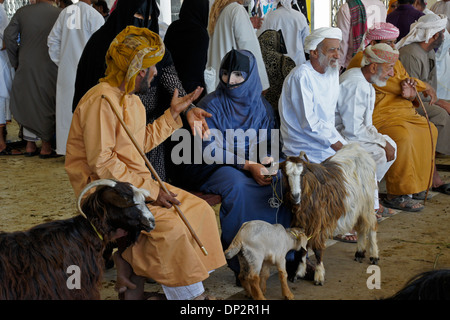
(40, 263)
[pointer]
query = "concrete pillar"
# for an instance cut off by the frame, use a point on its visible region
(165, 8)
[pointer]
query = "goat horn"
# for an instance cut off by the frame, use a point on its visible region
(101, 182)
(303, 155)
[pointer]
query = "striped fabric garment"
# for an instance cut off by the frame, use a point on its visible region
(358, 22)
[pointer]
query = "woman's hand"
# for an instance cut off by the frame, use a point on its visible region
(196, 117)
(260, 173)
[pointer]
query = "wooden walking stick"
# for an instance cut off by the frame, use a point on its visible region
(155, 174)
(432, 145)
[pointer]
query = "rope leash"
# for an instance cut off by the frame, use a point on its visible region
(276, 201)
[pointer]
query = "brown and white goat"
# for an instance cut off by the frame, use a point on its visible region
(259, 245)
(332, 197)
(37, 263)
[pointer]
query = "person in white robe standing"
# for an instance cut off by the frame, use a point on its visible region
(308, 99)
(293, 25)
(66, 42)
(442, 7)
(6, 78)
(356, 103)
(229, 27)
(443, 68)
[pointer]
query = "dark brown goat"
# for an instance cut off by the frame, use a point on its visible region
(38, 263)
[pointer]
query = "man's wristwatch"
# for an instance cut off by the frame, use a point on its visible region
(185, 111)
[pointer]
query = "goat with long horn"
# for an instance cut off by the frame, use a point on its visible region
(36, 264)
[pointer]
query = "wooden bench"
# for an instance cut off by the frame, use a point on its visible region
(210, 198)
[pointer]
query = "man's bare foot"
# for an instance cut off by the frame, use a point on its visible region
(204, 296)
(5, 150)
(30, 147)
(46, 148)
(124, 273)
(383, 212)
(350, 237)
(154, 296)
(403, 202)
(437, 181)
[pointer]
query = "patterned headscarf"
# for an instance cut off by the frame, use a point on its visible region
(134, 49)
(358, 22)
(424, 28)
(379, 53)
(380, 31)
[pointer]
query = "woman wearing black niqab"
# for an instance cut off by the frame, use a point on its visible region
(187, 40)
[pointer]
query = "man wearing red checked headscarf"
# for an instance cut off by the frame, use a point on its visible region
(395, 115)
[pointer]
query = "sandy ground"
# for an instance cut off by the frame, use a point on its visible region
(33, 191)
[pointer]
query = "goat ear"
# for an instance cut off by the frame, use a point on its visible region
(112, 196)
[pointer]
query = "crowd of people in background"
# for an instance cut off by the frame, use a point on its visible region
(363, 81)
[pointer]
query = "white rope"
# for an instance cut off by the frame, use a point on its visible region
(275, 201)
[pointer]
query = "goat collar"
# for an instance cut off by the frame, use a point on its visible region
(296, 235)
(94, 228)
(96, 231)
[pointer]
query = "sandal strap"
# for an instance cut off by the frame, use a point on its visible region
(409, 202)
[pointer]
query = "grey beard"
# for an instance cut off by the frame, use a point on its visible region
(324, 63)
(439, 41)
(375, 79)
(378, 82)
(144, 87)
